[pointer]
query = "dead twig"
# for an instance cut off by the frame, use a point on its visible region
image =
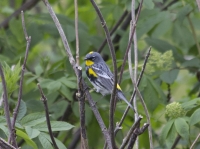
(112, 51)
(44, 100)
(11, 137)
(28, 40)
(81, 98)
(72, 62)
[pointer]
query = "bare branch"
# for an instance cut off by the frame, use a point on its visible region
(136, 124)
(195, 141)
(198, 4)
(75, 139)
(11, 137)
(76, 31)
(81, 98)
(44, 100)
(112, 51)
(176, 142)
(113, 30)
(138, 82)
(5, 145)
(129, 43)
(72, 62)
(136, 133)
(28, 40)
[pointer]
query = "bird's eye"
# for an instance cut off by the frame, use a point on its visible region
(93, 58)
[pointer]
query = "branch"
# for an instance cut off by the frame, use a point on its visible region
(11, 137)
(195, 141)
(75, 139)
(24, 7)
(5, 145)
(72, 62)
(44, 100)
(136, 124)
(198, 4)
(129, 43)
(113, 30)
(76, 32)
(135, 134)
(138, 82)
(176, 142)
(112, 51)
(81, 98)
(28, 40)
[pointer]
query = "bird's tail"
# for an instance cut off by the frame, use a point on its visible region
(121, 96)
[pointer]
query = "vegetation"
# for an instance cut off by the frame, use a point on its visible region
(169, 85)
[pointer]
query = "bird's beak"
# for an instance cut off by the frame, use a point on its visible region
(85, 58)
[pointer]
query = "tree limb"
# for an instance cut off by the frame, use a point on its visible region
(44, 100)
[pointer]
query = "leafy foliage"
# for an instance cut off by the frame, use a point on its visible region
(171, 76)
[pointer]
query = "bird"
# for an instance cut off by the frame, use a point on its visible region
(101, 77)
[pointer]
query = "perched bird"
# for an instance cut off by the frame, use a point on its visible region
(101, 77)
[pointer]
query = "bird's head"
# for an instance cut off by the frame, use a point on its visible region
(93, 57)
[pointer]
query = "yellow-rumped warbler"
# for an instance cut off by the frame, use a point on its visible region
(101, 77)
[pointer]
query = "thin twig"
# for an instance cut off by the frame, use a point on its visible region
(113, 30)
(194, 33)
(136, 133)
(118, 126)
(75, 139)
(81, 98)
(72, 62)
(44, 100)
(176, 142)
(28, 41)
(129, 43)
(125, 140)
(198, 4)
(11, 137)
(5, 145)
(112, 51)
(195, 141)
(76, 32)
(98, 117)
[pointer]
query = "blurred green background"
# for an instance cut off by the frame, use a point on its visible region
(171, 27)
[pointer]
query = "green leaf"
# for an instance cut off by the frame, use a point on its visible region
(195, 118)
(32, 133)
(165, 131)
(182, 128)
(38, 70)
(4, 129)
(68, 83)
(26, 138)
(171, 137)
(169, 76)
(195, 62)
(66, 92)
(191, 104)
(55, 126)
(148, 4)
(58, 142)
(44, 141)
(54, 86)
(33, 119)
(22, 110)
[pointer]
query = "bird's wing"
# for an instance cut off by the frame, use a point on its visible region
(104, 75)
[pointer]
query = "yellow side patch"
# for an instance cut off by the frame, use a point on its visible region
(89, 62)
(91, 52)
(118, 87)
(91, 72)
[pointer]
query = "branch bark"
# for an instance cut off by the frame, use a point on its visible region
(44, 100)
(28, 40)
(11, 137)
(112, 51)
(72, 62)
